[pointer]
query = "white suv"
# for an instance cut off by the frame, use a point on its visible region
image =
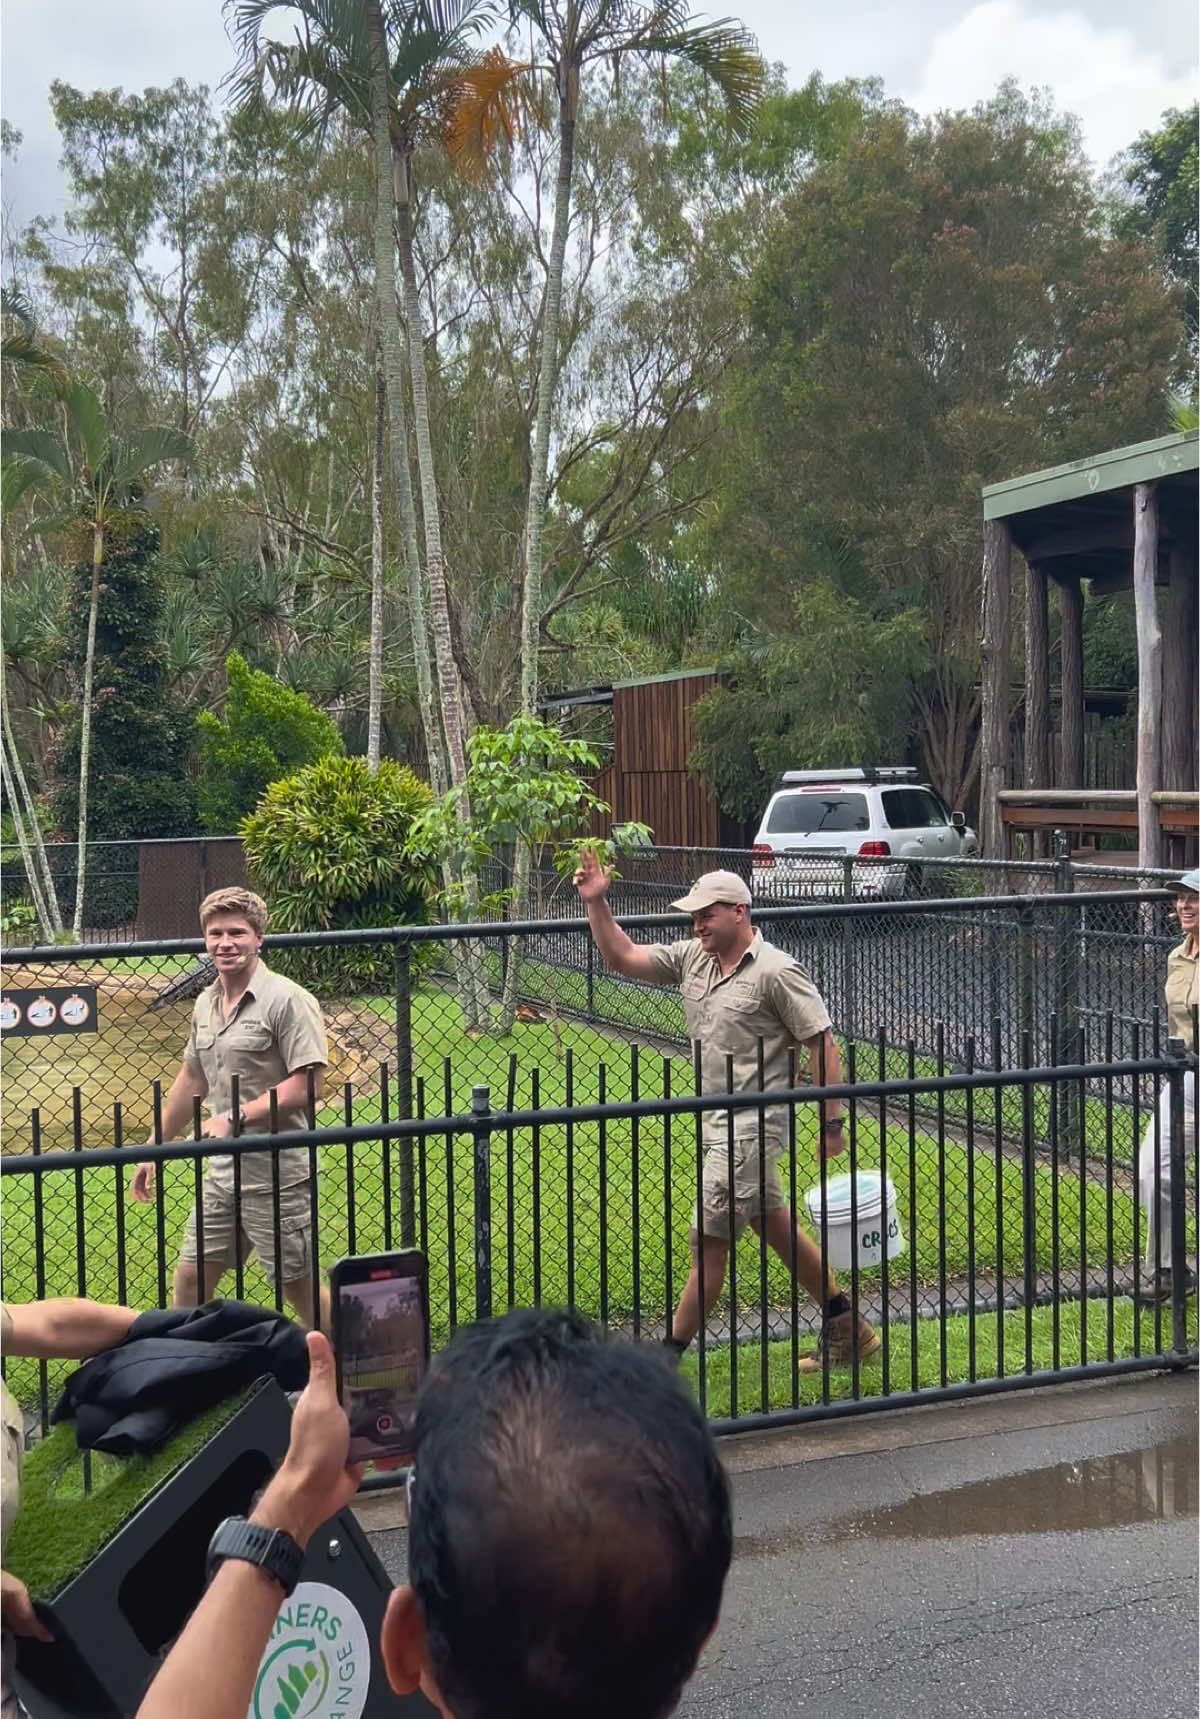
(816, 819)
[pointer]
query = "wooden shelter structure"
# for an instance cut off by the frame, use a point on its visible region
(1123, 519)
(647, 780)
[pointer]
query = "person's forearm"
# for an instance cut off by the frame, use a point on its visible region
(210, 1672)
(615, 946)
(180, 1107)
(827, 1071)
(290, 1094)
(69, 1329)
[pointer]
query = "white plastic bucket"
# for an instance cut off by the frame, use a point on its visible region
(876, 1225)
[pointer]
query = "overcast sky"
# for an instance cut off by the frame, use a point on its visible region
(1118, 76)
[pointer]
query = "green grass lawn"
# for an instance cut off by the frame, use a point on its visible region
(617, 1244)
(1083, 1334)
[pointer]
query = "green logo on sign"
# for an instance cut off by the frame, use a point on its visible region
(318, 1660)
(291, 1681)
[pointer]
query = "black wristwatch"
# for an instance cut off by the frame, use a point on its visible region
(834, 1122)
(271, 1549)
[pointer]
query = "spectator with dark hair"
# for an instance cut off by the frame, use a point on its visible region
(568, 1543)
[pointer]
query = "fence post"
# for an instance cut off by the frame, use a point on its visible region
(1177, 1072)
(591, 979)
(1025, 993)
(1066, 990)
(404, 1089)
(481, 1120)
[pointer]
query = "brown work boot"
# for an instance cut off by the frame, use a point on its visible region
(838, 1341)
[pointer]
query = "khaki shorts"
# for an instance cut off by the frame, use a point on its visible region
(751, 1198)
(223, 1248)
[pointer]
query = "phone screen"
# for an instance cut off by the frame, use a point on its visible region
(382, 1346)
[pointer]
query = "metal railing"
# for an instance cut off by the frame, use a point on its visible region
(1018, 1255)
(1075, 975)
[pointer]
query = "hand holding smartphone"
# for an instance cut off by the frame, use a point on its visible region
(381, 1340)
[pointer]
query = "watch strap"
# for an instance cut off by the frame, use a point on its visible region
(271, 1549)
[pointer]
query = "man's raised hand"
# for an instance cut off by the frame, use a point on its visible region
(591, 879)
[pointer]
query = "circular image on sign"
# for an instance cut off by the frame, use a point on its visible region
(10, 1014)
(41, 1012)
(75, 1009)
(318, 1660)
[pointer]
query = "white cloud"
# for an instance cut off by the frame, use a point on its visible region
(1114, 85)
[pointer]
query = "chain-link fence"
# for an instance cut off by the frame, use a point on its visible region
(976, 1239)
(132, 889)
(936, 986)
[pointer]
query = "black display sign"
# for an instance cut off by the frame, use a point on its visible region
(53, 1009)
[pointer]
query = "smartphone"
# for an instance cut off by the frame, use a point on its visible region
(381, 1340)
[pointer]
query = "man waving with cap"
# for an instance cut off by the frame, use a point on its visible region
(744, 999)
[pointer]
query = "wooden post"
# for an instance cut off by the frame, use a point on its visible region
(1179, 675)
(1070, 608)
(1037, 689)
(995, 653)
(1037, 681)
(1149, 652)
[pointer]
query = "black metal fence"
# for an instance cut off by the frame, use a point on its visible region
(1000, 1252)
(151, 889)
(927, 984)
(1003, 1058)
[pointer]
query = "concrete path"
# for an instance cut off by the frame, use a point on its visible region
(1005, 1558)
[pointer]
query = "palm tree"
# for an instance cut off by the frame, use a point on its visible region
(575, 33)
(103, 475)
(345, 63)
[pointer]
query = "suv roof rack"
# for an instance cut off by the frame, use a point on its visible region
(872, 773)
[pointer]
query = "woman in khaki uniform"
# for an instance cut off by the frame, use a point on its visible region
(1154, 1166)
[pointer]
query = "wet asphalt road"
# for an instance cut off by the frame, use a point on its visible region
(1009, 1558)
(998, 1572)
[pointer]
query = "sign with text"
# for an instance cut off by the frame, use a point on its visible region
(53, 1009)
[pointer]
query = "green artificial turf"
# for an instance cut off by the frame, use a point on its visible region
(60, 1526)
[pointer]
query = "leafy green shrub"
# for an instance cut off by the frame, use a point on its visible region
(329, 848)
(268, 731)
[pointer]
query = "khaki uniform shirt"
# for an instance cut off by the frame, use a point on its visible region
(14, 1442)
(13, 1434)
(768, 996)
(1182, 996)
(275, 1030)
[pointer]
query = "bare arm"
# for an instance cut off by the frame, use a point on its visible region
(825, 1062)
(178, 1112)
(617, 949)
(210, 1671)
(70, 1329)
(291, 1094)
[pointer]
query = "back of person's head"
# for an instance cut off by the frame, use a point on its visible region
(570, 1529)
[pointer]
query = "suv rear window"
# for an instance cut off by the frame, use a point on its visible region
(805, 814)
(911, 809)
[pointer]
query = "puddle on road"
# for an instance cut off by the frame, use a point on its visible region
(1098, 1492)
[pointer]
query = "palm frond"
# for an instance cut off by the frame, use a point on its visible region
(131, 459)
(17, 476)
(90, 421)
(43, 446)
(723, 51)
(495, 97)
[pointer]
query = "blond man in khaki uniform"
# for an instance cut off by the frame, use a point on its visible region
(268, 1031)
(72, 1330)
(739, 991)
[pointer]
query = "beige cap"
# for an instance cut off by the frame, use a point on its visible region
(714, 887)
